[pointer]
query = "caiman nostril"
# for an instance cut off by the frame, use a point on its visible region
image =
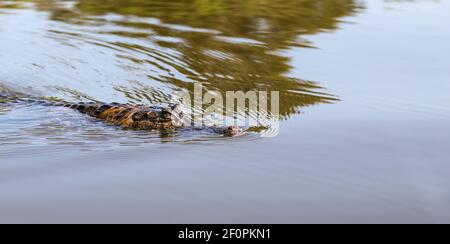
(233, 131)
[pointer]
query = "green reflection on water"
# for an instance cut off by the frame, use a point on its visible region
(227, 44)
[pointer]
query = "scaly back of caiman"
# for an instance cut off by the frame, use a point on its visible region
(137, 117)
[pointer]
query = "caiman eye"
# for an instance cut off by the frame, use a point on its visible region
(166, 114)
(137, 116)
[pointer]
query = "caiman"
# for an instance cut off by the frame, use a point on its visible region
(126, 116)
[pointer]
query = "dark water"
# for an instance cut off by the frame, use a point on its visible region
(364, 99)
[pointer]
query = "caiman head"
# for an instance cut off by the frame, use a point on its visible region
(171, 117)
(176, 115)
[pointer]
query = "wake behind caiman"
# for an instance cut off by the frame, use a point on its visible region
(136, 117)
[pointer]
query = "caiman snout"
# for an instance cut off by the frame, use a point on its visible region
(234, 131)
(176, 114)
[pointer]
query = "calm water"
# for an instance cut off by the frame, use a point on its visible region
(364, 105)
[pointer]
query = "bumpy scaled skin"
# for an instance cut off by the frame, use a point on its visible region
(137, 117)
(142, 117)
(133, 117)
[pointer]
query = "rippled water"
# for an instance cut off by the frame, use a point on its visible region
(145, 51)
(364, 97)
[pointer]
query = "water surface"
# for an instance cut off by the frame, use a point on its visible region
(143, 52)
(364, 94)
